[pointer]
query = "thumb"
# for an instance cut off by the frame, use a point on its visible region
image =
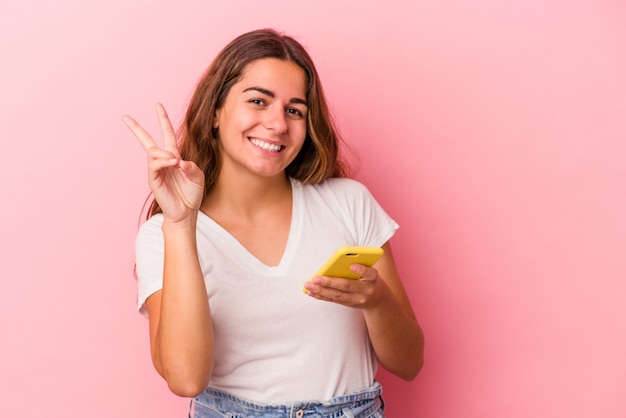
(192, 171)
(367, 273)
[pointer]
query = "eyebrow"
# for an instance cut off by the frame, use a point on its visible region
(272, 95)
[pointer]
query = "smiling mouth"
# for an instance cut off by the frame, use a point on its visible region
(266, 146)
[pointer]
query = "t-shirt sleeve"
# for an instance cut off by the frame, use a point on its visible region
(149, 246)
(373, 225)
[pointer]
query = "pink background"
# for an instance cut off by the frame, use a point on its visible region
(494, 132)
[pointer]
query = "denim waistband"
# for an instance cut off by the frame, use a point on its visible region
(213, 403)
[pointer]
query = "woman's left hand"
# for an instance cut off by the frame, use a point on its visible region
(364, 293)
(396, 337)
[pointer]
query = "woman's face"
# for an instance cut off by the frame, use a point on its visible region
(262, 124)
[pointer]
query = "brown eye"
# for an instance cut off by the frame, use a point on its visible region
(295, 112)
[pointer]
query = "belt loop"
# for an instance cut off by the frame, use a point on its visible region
(347, 413)
(190, 410)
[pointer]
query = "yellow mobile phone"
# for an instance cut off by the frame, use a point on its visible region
(338, 265)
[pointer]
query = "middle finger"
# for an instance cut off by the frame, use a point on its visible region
(140, 133)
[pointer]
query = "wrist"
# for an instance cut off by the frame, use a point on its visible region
(185, 224)
(384, 302)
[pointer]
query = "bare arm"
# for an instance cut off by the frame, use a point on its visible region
(395, 334)
(394, 331)
(181, 332)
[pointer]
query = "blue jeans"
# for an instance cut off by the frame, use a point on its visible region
(213, 403)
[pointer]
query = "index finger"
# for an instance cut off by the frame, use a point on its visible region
(167, 130)
(142, 135)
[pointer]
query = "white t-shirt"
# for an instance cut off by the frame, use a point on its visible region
(273, 343)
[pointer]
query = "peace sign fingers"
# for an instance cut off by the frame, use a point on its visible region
(142, 135)
(167, 130)
(177, 185)
(169, 136)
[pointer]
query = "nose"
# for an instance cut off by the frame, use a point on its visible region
(275, 120)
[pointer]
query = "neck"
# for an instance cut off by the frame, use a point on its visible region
(246, 196)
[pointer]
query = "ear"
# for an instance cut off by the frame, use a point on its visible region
(216, 119)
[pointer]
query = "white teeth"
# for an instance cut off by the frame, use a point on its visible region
(266, 146)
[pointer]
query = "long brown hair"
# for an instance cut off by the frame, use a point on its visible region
(319, 157)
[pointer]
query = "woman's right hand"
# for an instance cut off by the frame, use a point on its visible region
(177, 185)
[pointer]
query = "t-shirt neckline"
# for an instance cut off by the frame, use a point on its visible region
(251, 259)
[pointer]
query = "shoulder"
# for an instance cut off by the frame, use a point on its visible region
(336, 191)
(150, 231)
(337, 185)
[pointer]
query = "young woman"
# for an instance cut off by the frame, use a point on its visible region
(250, 199)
